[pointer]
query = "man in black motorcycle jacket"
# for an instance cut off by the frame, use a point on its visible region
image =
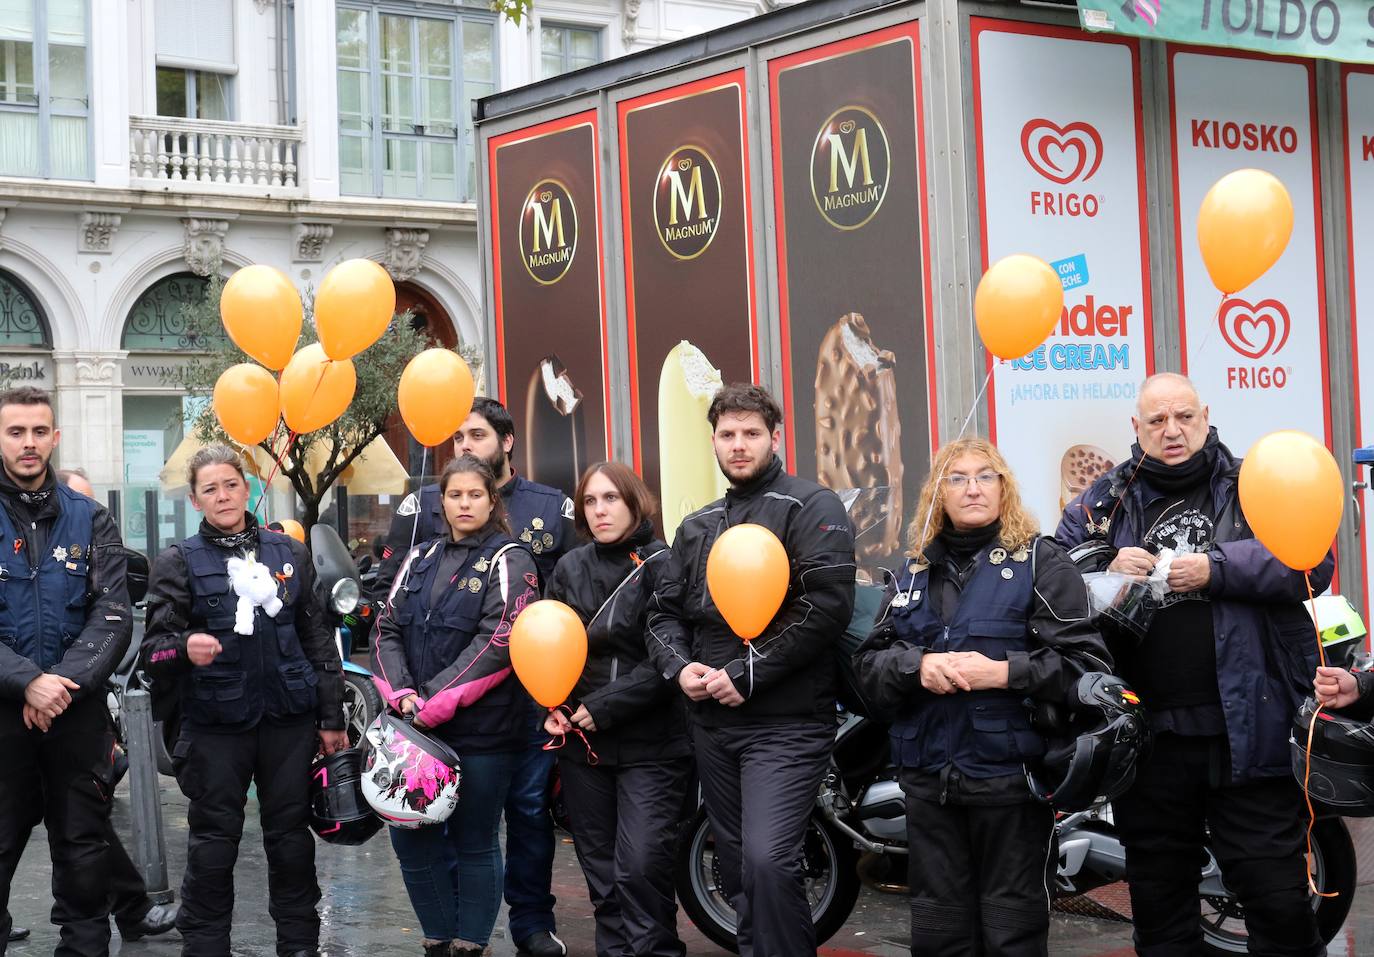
(763, 723)
(1226, 661)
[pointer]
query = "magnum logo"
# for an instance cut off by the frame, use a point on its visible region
(687, 202)
(548, 232)
(850, 165)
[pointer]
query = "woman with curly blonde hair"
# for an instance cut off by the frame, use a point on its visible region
(985, 615)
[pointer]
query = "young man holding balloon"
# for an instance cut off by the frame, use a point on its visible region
(1223, 667)
(763, 709)
(541, 519)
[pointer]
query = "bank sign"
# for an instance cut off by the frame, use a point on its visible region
(1331, 29)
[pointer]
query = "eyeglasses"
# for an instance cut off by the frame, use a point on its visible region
(960, 482)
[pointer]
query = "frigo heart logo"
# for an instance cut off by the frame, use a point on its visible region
(1062, 154)
(1255, 330)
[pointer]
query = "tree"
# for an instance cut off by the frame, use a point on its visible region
(379, 370)
(512, 10)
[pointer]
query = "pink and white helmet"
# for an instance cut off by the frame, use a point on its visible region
(409, 778)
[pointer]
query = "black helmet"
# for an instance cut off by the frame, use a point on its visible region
(1094, 757)
(338, 812)
(1342, 770)
(1122, 606)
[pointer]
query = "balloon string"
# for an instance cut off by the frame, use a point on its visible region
(930, 510)
(1311, 729)
(1216, 321)
(415, 525)
(276, 464)
(559, 740)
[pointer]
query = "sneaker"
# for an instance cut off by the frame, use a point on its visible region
(541, 944)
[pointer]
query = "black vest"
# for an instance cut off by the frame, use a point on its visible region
(435, 634)
(265, 673)
(982, 733)
(43, 607)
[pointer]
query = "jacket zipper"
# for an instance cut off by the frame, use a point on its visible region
(37, 597)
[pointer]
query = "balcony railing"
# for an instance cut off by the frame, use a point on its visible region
(212, 155)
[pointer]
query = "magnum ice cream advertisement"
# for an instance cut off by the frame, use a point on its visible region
(847, 159)
(549, 296)
(689, 278)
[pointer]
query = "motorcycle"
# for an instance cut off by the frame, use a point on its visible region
(349, 614)
(857, 833)
(127, 676)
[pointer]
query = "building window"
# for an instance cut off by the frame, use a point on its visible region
(564, 48)
(22, 324)
(405, 85)
(195, 94)
(44, 92)
(158, 321)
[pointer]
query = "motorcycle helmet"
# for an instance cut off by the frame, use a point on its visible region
(408, 778)
(339, 813)
(1121, 606)
(1342, 768)
(1341, 628)
(1094, 757)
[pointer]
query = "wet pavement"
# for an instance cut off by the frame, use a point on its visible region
(366, 913)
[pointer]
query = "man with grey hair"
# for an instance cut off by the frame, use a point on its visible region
(1223, 666)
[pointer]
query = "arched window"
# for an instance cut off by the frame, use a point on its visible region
(22, 323)
(158, 321)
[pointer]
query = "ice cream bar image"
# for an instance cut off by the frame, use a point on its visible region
(689, 475)
(859, 433)
(1080, 467)
(555, 442)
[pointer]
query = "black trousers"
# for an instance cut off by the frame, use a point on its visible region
(760, 784)
(980, 878)
(214, 771)
(1257, 833)
(64, 779)
(623, 821)
(129, 901)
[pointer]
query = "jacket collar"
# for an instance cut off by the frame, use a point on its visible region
(756, 485)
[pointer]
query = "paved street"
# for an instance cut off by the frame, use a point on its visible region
(366, 913)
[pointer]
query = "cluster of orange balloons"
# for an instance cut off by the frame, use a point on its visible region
(262, 314)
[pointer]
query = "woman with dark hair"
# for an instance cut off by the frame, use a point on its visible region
(985, 614)
(442, 655)
(260, 692)
(625, 773)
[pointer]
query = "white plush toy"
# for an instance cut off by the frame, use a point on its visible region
(252, 581)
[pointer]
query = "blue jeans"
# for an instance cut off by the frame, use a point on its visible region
(529, 843)
(453, 870)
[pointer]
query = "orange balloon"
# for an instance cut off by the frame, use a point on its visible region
(1017, 304)
(247, 403)
(315, 390)
(353, 306)
(289, 526)
(435, 395)
(1292, 494)
(548, 648)
(747, 574)
(262, 313)
(1243, 227)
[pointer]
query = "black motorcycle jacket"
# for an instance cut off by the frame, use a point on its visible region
(792, 674)
(175, 613)
(639, 716)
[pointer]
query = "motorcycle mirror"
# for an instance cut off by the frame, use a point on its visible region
(331, 559)
(136, 574)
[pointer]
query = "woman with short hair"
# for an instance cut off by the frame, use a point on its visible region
(256, 706)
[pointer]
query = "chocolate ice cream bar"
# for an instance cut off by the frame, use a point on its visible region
(859, 433)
